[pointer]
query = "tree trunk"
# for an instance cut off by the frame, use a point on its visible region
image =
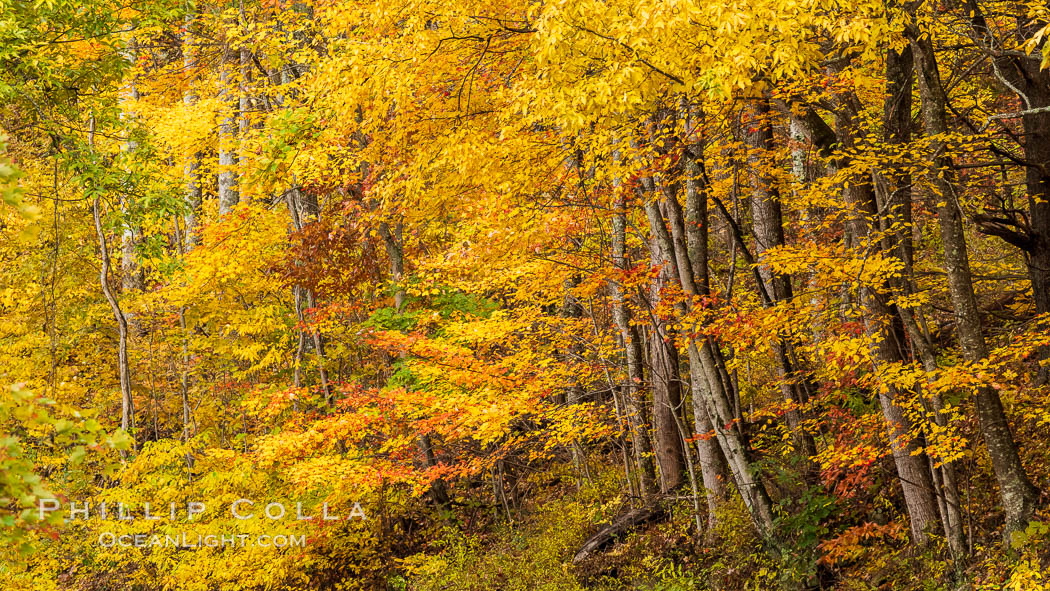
(895, 223)
(1016, 490)
(768, 222)
(392, 239)
(228, 196)
(244, 99)
(638, 418)
(715, 398)
(190, 173)
(713, 469)
(880, 325)
(127, 403)
(131, 277)
(667, 395)
(880, 320)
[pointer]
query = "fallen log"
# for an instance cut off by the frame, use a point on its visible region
(618, 526)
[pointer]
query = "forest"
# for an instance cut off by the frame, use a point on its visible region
(562, 295)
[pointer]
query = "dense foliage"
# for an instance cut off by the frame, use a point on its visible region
(618, 294)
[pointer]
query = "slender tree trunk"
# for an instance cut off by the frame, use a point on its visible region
(191, 183)
(244, 98)
(880, 322)
(227, 178)
(127, 403)
(893, 217)
(667, 396)
(193, 193)
(716, 397)
(190, 174)
(392, 239)
(131, 277)
(638, 418)
(768, 222)
(1018, 494)
(713, 470)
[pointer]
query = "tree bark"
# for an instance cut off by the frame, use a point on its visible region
(127, 403)
(895, 225)
(228, 196)
(879, 321)
(1018, 494)
(713, 469)
(392, 239)
(638, 417)
(768, 222)
(190, 174)
(667, 395)
(715, 397)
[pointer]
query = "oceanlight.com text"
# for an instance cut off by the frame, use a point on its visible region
(186, 540)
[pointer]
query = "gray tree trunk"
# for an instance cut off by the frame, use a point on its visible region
(228, 196)
(768, 222)
(190, 174)
(716, 399)
(392, 239)
(1018, 494)
(127, 403)
(713, 469)
(894, 220)
(638, 417)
